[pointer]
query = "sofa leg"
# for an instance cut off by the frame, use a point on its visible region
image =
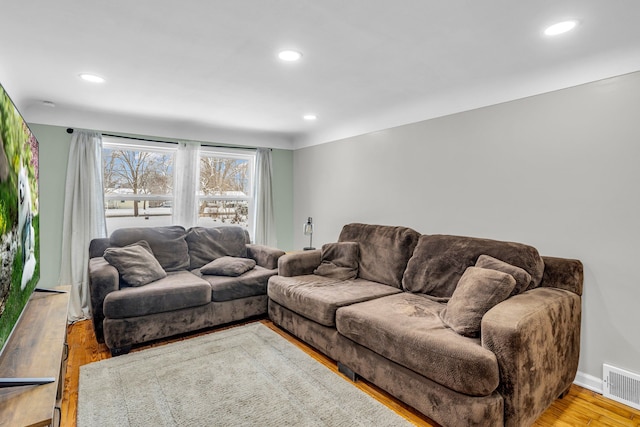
(344, 370)
(117, 351)
(564, 393)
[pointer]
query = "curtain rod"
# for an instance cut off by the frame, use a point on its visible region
(70, 130)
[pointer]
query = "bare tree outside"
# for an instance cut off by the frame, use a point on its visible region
(140, 172)
(219, 175)
(158, 178)
(108, 166)
(226, 178)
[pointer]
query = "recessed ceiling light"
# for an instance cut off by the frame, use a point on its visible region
(560, 28)
(310, 117)
(91, 78)
(289, 55)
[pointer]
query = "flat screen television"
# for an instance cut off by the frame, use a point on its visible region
(19, 217)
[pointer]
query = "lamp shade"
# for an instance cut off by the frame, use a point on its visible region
(308, 227)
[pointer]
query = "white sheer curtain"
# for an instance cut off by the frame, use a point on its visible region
(265, 226)
(186, 179)
(83, 218)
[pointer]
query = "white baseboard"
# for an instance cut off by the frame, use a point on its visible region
(589, 382)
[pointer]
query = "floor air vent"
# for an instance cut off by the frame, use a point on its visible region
(621, 386)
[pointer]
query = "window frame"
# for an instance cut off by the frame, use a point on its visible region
(124, 143)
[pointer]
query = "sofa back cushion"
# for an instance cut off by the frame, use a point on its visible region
(439, 261)
(384, 250)
(167, 243)
(207, 244)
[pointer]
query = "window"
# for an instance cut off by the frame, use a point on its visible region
(138, 184)
(139, 181)
(226, 188)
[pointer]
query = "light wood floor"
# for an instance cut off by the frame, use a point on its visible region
(581, 407)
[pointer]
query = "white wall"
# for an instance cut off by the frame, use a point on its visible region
(558, 171)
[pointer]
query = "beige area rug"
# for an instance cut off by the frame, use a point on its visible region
(244, 376)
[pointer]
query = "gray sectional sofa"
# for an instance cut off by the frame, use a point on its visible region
(154, 282)
(468, 331)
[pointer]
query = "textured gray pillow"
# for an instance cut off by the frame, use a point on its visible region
(228, 266)
(135, 263)
(478, 290)
(339, 260)
(522, 277)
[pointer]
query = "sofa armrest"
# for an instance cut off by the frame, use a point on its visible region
(536, 339)
(98, 246)
(299, 263)
(103, 279)
(264, 256)
(563, 273)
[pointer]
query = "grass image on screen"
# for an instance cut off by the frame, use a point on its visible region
(19, 217)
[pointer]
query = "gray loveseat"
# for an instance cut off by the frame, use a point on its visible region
(156, 285)
(468, 331)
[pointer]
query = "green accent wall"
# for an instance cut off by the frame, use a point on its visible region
(54, 153)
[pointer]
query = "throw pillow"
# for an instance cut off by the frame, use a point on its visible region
(135, 263)
(228, 266)
(339, 260)
(522, 277)
(478, 290)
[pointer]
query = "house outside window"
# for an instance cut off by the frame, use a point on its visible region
(139, 185)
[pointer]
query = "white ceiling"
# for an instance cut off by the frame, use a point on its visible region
(208, 69)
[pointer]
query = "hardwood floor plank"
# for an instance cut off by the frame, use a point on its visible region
(581, 407)
(596, 412)
(606, 404)
(562, 412)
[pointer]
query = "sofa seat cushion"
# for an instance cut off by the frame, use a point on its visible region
(406, 328)
(249, 284)
(178, 290)
(318, 297)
